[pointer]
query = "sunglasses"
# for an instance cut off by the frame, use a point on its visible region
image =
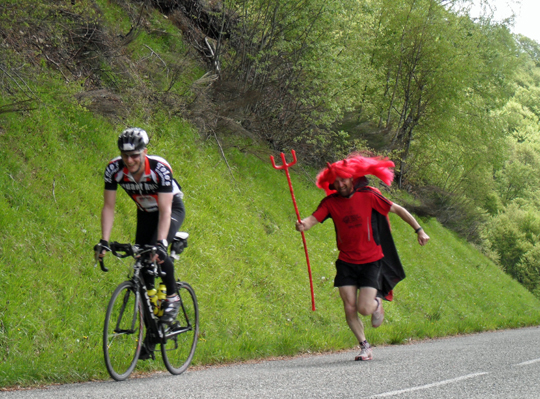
(133, 155)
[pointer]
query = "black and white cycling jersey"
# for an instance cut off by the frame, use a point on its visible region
(157, 178)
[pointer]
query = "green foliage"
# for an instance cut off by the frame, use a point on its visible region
(295, 65)
(244, 258)
(433, 69)
(513, 236)
(418, 80)
(518, 178)
(512, 233)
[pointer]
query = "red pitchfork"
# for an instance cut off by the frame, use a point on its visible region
(286, 166)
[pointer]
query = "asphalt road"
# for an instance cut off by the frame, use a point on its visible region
(504, 364)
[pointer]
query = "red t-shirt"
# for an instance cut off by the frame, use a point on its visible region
(352, 220)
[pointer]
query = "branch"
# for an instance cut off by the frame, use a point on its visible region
(157, 55)
(223, 154)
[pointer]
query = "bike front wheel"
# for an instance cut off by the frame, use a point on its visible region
(123, 331)
(180, 338)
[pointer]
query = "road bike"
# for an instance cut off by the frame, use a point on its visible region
(131, 312)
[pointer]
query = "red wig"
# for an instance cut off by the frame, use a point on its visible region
(355, 166)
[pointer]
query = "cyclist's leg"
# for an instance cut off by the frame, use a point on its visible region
(178, 214)
(147, 224)
(179, 348)
(172, 304)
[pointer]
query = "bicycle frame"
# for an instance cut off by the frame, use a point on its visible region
(150, 319)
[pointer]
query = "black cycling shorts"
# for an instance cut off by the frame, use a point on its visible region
(147, 224)
(364, 275)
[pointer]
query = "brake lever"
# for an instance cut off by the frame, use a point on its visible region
(99, 259)
(102, 265)
(160, 272)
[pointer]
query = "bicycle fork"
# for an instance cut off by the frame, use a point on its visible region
(117, 329)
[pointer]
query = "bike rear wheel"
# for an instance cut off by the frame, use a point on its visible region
(181, 336)
(123, 331)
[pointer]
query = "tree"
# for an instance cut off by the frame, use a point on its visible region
(434, 66)
(290, 70)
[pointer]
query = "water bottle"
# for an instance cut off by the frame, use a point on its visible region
(161, 296)
(152, 294)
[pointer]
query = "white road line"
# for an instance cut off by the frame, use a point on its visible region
(529, 362)
(435, 384)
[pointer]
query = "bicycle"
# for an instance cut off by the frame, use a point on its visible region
(130, 312)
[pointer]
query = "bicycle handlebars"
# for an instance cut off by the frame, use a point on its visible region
(127, 249)
(177, 247)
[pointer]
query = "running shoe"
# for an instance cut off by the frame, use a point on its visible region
(366, 353)
(378, 316)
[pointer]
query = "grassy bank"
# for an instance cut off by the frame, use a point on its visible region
(245, 260)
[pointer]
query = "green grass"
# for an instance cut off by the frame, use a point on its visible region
(245, 260)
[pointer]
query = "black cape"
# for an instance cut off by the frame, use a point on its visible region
(392, 270)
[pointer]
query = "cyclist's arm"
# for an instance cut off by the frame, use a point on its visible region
(107, 213)
(165, 211)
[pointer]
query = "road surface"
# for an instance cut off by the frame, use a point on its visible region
(503, 364)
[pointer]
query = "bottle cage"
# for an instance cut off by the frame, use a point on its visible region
(179, 244)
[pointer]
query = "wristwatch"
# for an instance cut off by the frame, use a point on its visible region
(164, 243)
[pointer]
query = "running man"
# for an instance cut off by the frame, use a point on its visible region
(367, 266)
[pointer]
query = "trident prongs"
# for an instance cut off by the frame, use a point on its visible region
(285, 164)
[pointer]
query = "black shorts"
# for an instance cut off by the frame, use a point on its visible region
(147, 224)
(364, 275)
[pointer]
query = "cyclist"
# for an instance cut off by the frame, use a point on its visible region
(148, 180)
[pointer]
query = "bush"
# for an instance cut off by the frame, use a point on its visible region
(513, 236)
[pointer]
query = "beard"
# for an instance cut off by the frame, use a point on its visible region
(345, 192)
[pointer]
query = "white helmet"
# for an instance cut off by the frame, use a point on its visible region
(133, 139)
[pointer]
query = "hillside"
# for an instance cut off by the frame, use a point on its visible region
(244, 259)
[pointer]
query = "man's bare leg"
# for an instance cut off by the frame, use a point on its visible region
(367, 304)
(359, 301)
(349, 296)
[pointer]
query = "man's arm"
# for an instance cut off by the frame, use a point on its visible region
(165, 211)
(307, 223)
(107, 214)
(404, 214)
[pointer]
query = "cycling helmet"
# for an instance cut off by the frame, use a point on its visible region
(133, 139)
